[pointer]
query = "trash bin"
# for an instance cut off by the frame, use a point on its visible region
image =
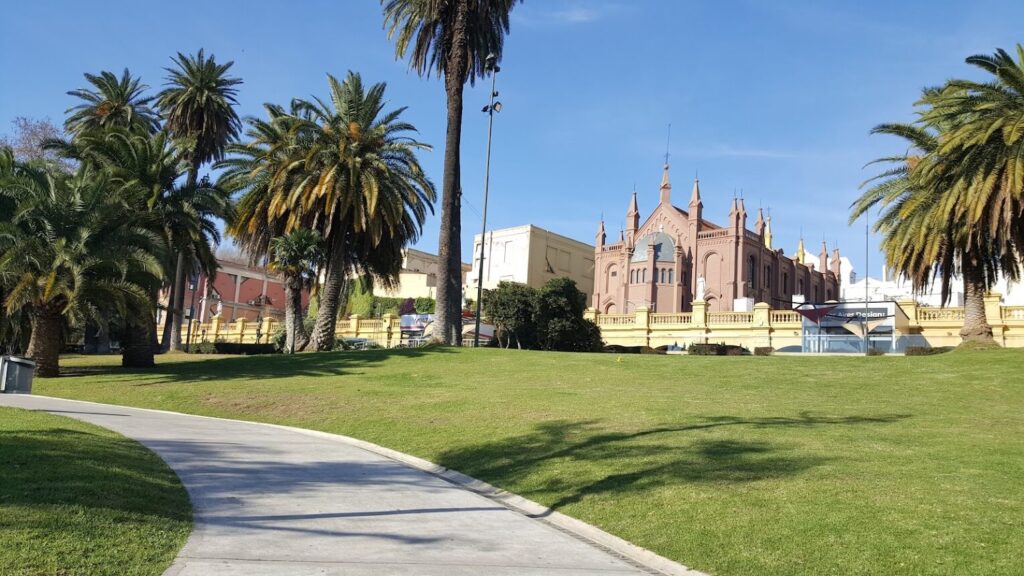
(16, 375)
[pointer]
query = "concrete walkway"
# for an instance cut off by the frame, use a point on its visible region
(282, 502)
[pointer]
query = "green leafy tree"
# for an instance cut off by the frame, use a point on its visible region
(451, 39)
(199, 107)
(512, 308)
(560, 322)
(297, 256)
(112, 102)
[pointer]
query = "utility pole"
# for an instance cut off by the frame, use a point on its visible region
(492, 65)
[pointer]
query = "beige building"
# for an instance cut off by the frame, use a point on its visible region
(418, 278)
(531, 255)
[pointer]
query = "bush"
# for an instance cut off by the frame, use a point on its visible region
(925, 350)
(875, 352)
(202, 348)
(425, 305)
(717, 350)
(763, 351)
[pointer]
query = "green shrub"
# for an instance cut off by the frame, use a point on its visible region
(875, 352)
(763, 351)
(925, 350)
(707, 350)
(717, 350)
(425, 305)
(202, 348)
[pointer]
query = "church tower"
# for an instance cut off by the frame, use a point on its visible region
(632, 220)
(665, 196)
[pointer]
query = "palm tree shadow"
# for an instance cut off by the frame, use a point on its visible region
(644, 460)
(258, 367)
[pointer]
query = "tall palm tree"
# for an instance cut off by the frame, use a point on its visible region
(72, 255)
(114, 102)
(346, 168)
(451, 39)
(198, 105)
(297, 256)
(925, 235)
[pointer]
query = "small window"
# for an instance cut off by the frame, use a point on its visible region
(614, 273)
(670, 275)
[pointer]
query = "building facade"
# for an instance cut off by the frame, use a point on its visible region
(418, 277)
(676, 256)
(531, 255)
(238, 290)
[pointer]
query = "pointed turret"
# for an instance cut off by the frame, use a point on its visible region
(632, 219)
(601, 236)
(800, 251)
(768, 231)
(695, 195)
(666, 188)
(741, 216)
(836, 265)
(759, 224)
(823, 258)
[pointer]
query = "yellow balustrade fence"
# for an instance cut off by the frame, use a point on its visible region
(384, 332)
(782, 328)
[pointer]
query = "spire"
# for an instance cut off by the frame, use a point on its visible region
(823, 258)
(768, 230)
(695, 195)
(666, 187)
(632, 217)
(601, 236)
(836, 264)
(759, 224)
(800, 251)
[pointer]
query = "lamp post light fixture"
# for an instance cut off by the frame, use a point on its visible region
(491, 64)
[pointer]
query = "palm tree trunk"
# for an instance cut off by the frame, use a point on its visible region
(137, 344)
(179, 271)
(323, 335)
(448, 322)
(296, 338)
(165, 338)
(45, 343)
(976, 327)
(178, 295)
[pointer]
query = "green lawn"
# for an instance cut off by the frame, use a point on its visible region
(77, 500)
(733, 465)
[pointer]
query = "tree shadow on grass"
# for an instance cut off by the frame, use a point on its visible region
(60, 466)
(198, 368)
(633, 462)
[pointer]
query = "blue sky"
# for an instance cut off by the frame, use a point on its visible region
(772, 98)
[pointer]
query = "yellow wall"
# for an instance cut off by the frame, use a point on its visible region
(781, 328)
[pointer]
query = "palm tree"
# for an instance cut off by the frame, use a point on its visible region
(925, 234)
(345, 168)
(198, 106)
(71, 255)
(297, 256)
(115, 102)
(450, 39)
(143, 171)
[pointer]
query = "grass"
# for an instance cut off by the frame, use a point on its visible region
(732, 465)
(80, 500)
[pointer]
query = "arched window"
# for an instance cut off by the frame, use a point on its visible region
(643, 275)
(752, 271)
(663, 272)
(669, 275)
(800, 287)
(785, 282)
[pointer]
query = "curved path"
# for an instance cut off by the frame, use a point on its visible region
(270, 500)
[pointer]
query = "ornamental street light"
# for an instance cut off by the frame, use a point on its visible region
(491, 64)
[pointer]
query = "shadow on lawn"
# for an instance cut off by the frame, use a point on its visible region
(643, 460)
(198, 368)
(59, 466)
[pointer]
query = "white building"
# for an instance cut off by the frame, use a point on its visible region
(898, 288)
(531, 256)
(418, 277)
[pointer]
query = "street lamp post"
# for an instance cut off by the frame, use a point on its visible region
(490, 109)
